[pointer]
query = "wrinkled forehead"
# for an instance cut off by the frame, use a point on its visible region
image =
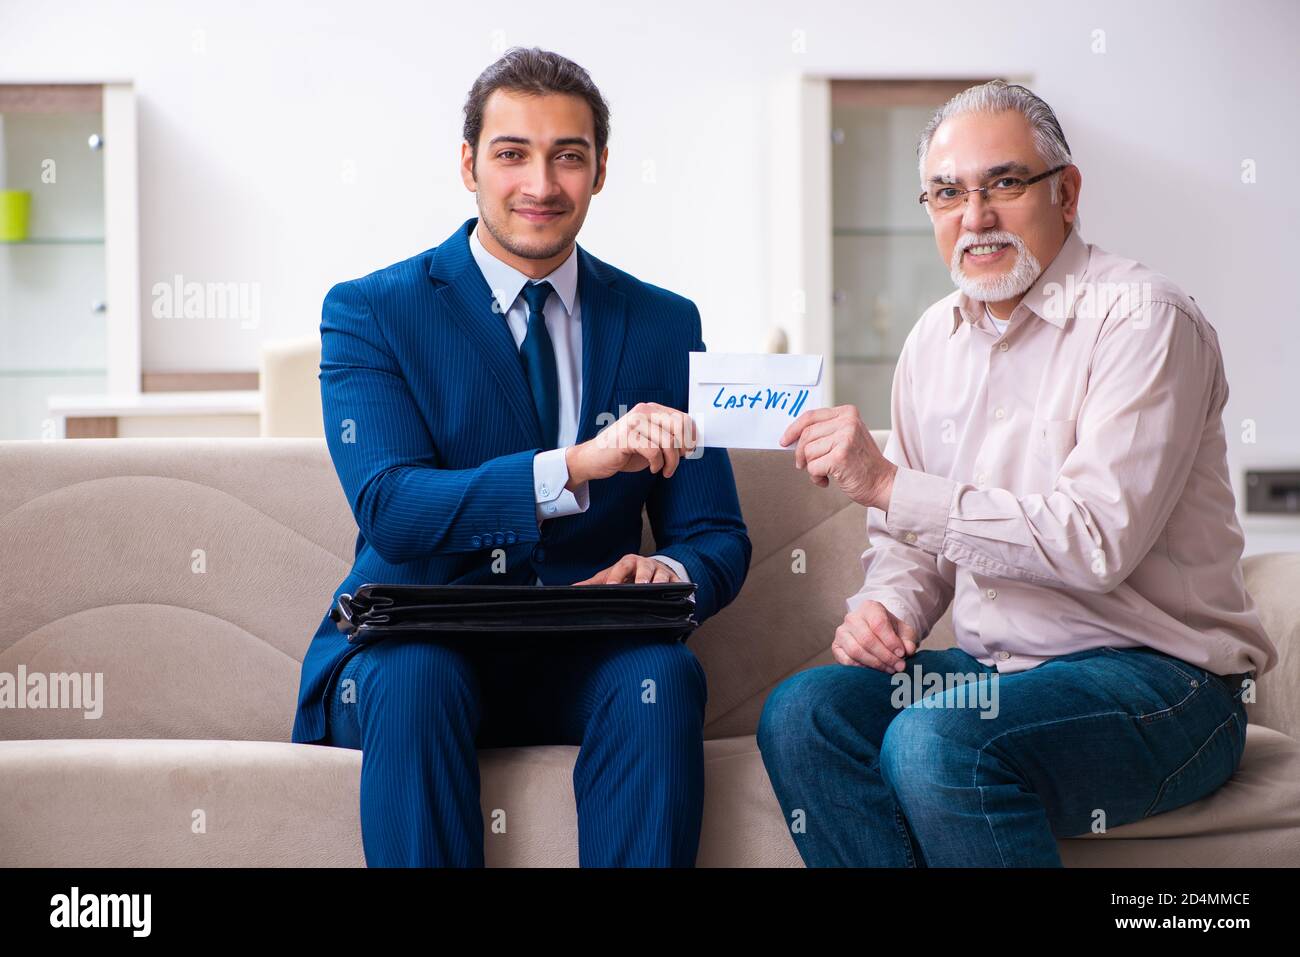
(972, 147)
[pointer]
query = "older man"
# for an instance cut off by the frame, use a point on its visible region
(1056, 469)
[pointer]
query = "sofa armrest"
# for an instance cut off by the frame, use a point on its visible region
(1273, 581)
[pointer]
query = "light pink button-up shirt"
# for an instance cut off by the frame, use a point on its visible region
(1066, 484)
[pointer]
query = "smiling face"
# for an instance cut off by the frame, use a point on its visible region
(533, 175)
(995, 252)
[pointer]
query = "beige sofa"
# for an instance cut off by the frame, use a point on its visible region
(190, 573)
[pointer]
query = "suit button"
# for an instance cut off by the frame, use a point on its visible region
(510, 538)
(476, 541)
(539, 554)
(499, 538)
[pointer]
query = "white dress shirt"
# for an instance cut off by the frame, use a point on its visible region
(1065, 486)
(563, 316)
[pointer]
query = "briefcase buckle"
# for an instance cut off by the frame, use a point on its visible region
(341, 614)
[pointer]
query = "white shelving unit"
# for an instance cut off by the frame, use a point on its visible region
(70, 290)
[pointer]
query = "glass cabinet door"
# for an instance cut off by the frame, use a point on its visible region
(885, 268)
(53, 335)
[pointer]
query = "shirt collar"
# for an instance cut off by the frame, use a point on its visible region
(1053, 294)
(506, 281)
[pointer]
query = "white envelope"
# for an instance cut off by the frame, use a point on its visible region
(746, 400)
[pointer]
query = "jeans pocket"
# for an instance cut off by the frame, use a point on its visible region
(1204, 772)
(1177, 682)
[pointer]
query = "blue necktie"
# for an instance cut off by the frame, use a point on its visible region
(538, 355)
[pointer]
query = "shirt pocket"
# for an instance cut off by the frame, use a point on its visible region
(1050, 441)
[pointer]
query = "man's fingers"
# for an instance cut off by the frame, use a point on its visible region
(905, 632)
(666, 437)
(798, 425)
(877, 618)
(638, 438)
(809, 437)
(623, 570)
(659, 435)
(631, 568)
(885, 645)
(676, 426)
(816, 448)
(850, 645)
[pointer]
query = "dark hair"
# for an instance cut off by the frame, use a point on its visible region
(534, 71)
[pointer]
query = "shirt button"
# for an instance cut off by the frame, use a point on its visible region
(476, 541)
(909, 537)
(999, 413)
(979, 478)
(1003, 347)
(991, 593)
(550, 509)
(544, 490)
(1004, 655)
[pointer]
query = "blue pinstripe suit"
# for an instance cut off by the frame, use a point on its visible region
(432, 431)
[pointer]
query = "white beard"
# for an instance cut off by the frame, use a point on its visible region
(1008, 285)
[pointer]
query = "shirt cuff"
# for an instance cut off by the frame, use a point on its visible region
(678, 568)
(550, 475)
(918, 509)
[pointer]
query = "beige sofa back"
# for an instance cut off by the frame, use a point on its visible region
(191, 574)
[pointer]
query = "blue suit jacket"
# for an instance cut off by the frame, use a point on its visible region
(432, 431)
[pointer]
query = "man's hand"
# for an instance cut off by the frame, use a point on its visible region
(874, 637)
(650, 436)
(632, 568)
(835, 444)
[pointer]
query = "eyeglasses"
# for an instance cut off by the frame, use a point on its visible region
(943, 197)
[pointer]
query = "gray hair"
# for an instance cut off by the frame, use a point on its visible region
(998, 96)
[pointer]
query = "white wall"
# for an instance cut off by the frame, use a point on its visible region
(250, 111)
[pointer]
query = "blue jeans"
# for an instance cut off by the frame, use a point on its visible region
(872, 771)
(419, 710)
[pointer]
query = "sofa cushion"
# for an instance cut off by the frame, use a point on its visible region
(139, 802)
(157, 803)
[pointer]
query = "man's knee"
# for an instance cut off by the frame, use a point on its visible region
(927, 748)
(818, 702)
(654, 691)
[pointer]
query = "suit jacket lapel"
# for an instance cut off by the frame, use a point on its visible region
(469, 302)
(604, 323)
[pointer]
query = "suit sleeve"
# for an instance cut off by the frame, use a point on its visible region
(696, 521)
(906, 580)
(405, 505)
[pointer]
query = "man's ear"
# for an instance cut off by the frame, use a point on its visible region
(1071, 184)
(467, 168)
(600, 176)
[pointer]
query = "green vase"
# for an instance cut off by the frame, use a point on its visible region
(15, 205)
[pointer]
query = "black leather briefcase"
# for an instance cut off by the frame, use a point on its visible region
(665, 610)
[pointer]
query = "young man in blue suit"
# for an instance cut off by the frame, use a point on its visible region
(499, 409)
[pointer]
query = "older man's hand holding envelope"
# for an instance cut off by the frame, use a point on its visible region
(774, 401)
